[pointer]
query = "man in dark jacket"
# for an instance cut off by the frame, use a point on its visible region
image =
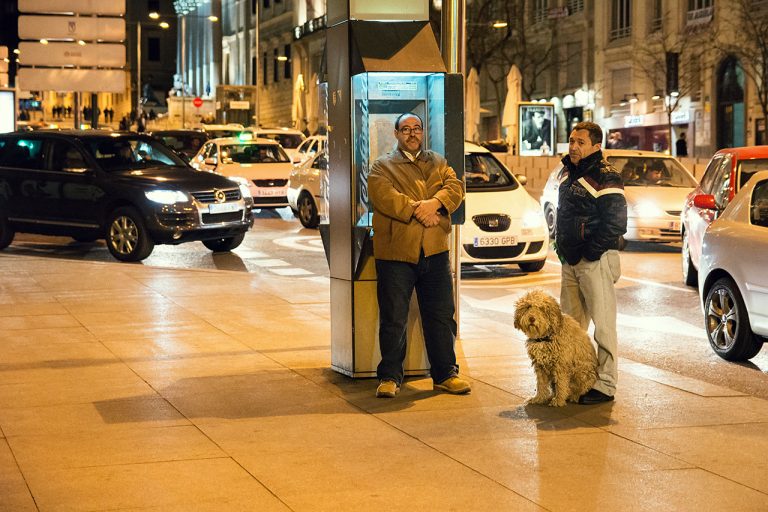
(591, 217)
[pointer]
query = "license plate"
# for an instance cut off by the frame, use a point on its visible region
(271, 192)
(494, 241)
(674, 225)
(224, 207)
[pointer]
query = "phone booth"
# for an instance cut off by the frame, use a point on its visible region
(376, 71)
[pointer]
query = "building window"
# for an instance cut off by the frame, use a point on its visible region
(621, 19)
(700, 12)
(153, 5)
(254, 74)
(265, 68)
(575, 6)
(540, 8)
(266, 4)
(275, 67)
(657, 14)
(287, 63)
(153, 49)
(573, 68)
(254, 6)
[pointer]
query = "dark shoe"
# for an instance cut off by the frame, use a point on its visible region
(594, 396)
(387, 389)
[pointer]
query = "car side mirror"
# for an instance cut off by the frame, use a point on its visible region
(522, 179)
(705, 201)
(209, 161)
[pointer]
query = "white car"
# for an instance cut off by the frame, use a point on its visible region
(733, 282)
(306, 184)
(288, 138)
(262, 162)
(217, 131)
(653, 207)
(503, 223)
(311, 146)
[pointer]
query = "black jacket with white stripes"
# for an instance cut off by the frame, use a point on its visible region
(591, 209)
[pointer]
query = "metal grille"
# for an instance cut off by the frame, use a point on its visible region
(175, 219)
(534, 247)
(494, 253)
(208, 196)
(492, 222)
(270, 183)
(218, 218)
(270, 200)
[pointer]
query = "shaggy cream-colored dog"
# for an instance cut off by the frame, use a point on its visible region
(561, 352)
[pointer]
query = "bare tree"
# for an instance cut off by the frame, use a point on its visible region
(500, 34)
(671, 63)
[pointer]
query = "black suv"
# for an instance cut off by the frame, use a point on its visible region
(129, 189)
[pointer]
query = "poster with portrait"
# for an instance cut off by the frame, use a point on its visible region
(536, 129)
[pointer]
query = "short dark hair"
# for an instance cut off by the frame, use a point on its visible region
(406, 114)
(595, 132)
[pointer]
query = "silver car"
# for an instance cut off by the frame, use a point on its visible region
(733, 283)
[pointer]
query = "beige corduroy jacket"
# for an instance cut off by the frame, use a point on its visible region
(395, 183)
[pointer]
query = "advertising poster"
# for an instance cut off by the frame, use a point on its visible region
(7, 111)
(537, 129)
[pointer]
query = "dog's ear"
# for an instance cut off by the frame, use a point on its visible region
(554, 313)
(519, 306)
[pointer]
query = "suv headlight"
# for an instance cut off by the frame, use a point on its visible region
(167, 196)
(243, 184)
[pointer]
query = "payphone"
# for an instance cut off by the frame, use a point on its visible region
(377, 70)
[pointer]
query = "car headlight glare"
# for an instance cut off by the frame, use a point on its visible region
(167, 196)
(533, 219)
(648, 209)
(243, 184)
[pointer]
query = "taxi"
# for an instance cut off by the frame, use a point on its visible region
(262, 163)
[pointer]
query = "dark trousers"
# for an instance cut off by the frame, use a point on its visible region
(431, 277)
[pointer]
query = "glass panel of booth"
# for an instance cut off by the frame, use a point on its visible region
(378, 99)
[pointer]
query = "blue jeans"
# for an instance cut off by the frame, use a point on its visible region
(431, 277)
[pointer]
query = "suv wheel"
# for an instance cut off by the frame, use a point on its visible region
(727, 323)
(307, 211)
(127, 237)
(6, 233)
(690, 274)
(224, 244)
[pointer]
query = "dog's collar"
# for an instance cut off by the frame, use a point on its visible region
(540, 340)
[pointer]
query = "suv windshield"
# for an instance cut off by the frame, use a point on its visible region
(253, 154)
(483, 172)
(121, 153)
(643, 171)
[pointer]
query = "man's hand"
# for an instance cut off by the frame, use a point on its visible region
(426, 211)
(431, 221)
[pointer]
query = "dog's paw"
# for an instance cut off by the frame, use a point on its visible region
(537, 400)
(556, 403)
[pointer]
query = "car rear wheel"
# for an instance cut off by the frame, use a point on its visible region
(224, 244)
(690, 274)
(551, 216)
(6, 233)
(307, 211)
(127, 237)
(531, 266)
(727, 323)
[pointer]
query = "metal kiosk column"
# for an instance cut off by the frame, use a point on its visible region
(377, 68)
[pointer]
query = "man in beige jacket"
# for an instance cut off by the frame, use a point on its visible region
(413, 193)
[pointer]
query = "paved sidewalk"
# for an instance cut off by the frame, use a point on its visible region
(124, 387)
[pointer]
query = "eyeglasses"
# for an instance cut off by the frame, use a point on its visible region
(407, 130)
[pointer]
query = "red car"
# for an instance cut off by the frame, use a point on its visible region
(726, 173)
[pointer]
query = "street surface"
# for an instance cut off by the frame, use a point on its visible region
(660, 320)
